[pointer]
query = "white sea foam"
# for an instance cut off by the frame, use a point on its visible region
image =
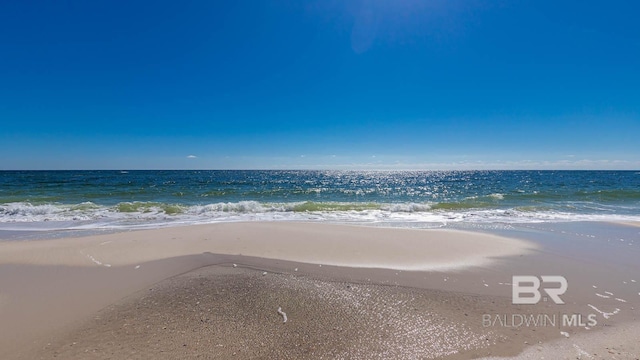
(23, 216)
(604, 314)
(406, 207)
(94, 260)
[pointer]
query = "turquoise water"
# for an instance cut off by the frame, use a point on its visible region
(32, 200)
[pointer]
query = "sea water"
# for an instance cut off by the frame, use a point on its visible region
(32, 201)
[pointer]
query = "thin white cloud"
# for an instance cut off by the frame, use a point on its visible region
(192, 157)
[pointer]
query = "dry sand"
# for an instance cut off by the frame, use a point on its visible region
(139, 295)
(338, 245)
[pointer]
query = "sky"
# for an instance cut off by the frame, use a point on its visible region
(387, 84)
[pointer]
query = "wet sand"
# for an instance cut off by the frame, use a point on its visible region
(61, 300)
(225, 312)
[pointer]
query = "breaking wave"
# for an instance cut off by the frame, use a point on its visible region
(155, 214)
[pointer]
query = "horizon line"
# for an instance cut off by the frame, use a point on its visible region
(327, 169)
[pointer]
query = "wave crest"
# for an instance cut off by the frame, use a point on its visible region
(484, 209)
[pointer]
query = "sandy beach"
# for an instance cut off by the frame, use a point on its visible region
(319, 180)
(213, 291)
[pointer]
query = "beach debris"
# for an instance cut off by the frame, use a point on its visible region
(235, 265)
(595, 287)
(633, 281)
(608, 293)
(296, 269)
(264, 273)
(621, 300)
(564, 333)
(603, 296)
(137, 267)
(284, 314)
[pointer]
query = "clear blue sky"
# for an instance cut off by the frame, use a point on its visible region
(319, 84)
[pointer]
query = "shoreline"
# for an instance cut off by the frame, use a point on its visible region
(76, 268)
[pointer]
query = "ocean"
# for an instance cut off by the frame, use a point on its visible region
(119, 200)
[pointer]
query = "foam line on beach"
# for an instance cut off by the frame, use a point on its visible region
(604, 314)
